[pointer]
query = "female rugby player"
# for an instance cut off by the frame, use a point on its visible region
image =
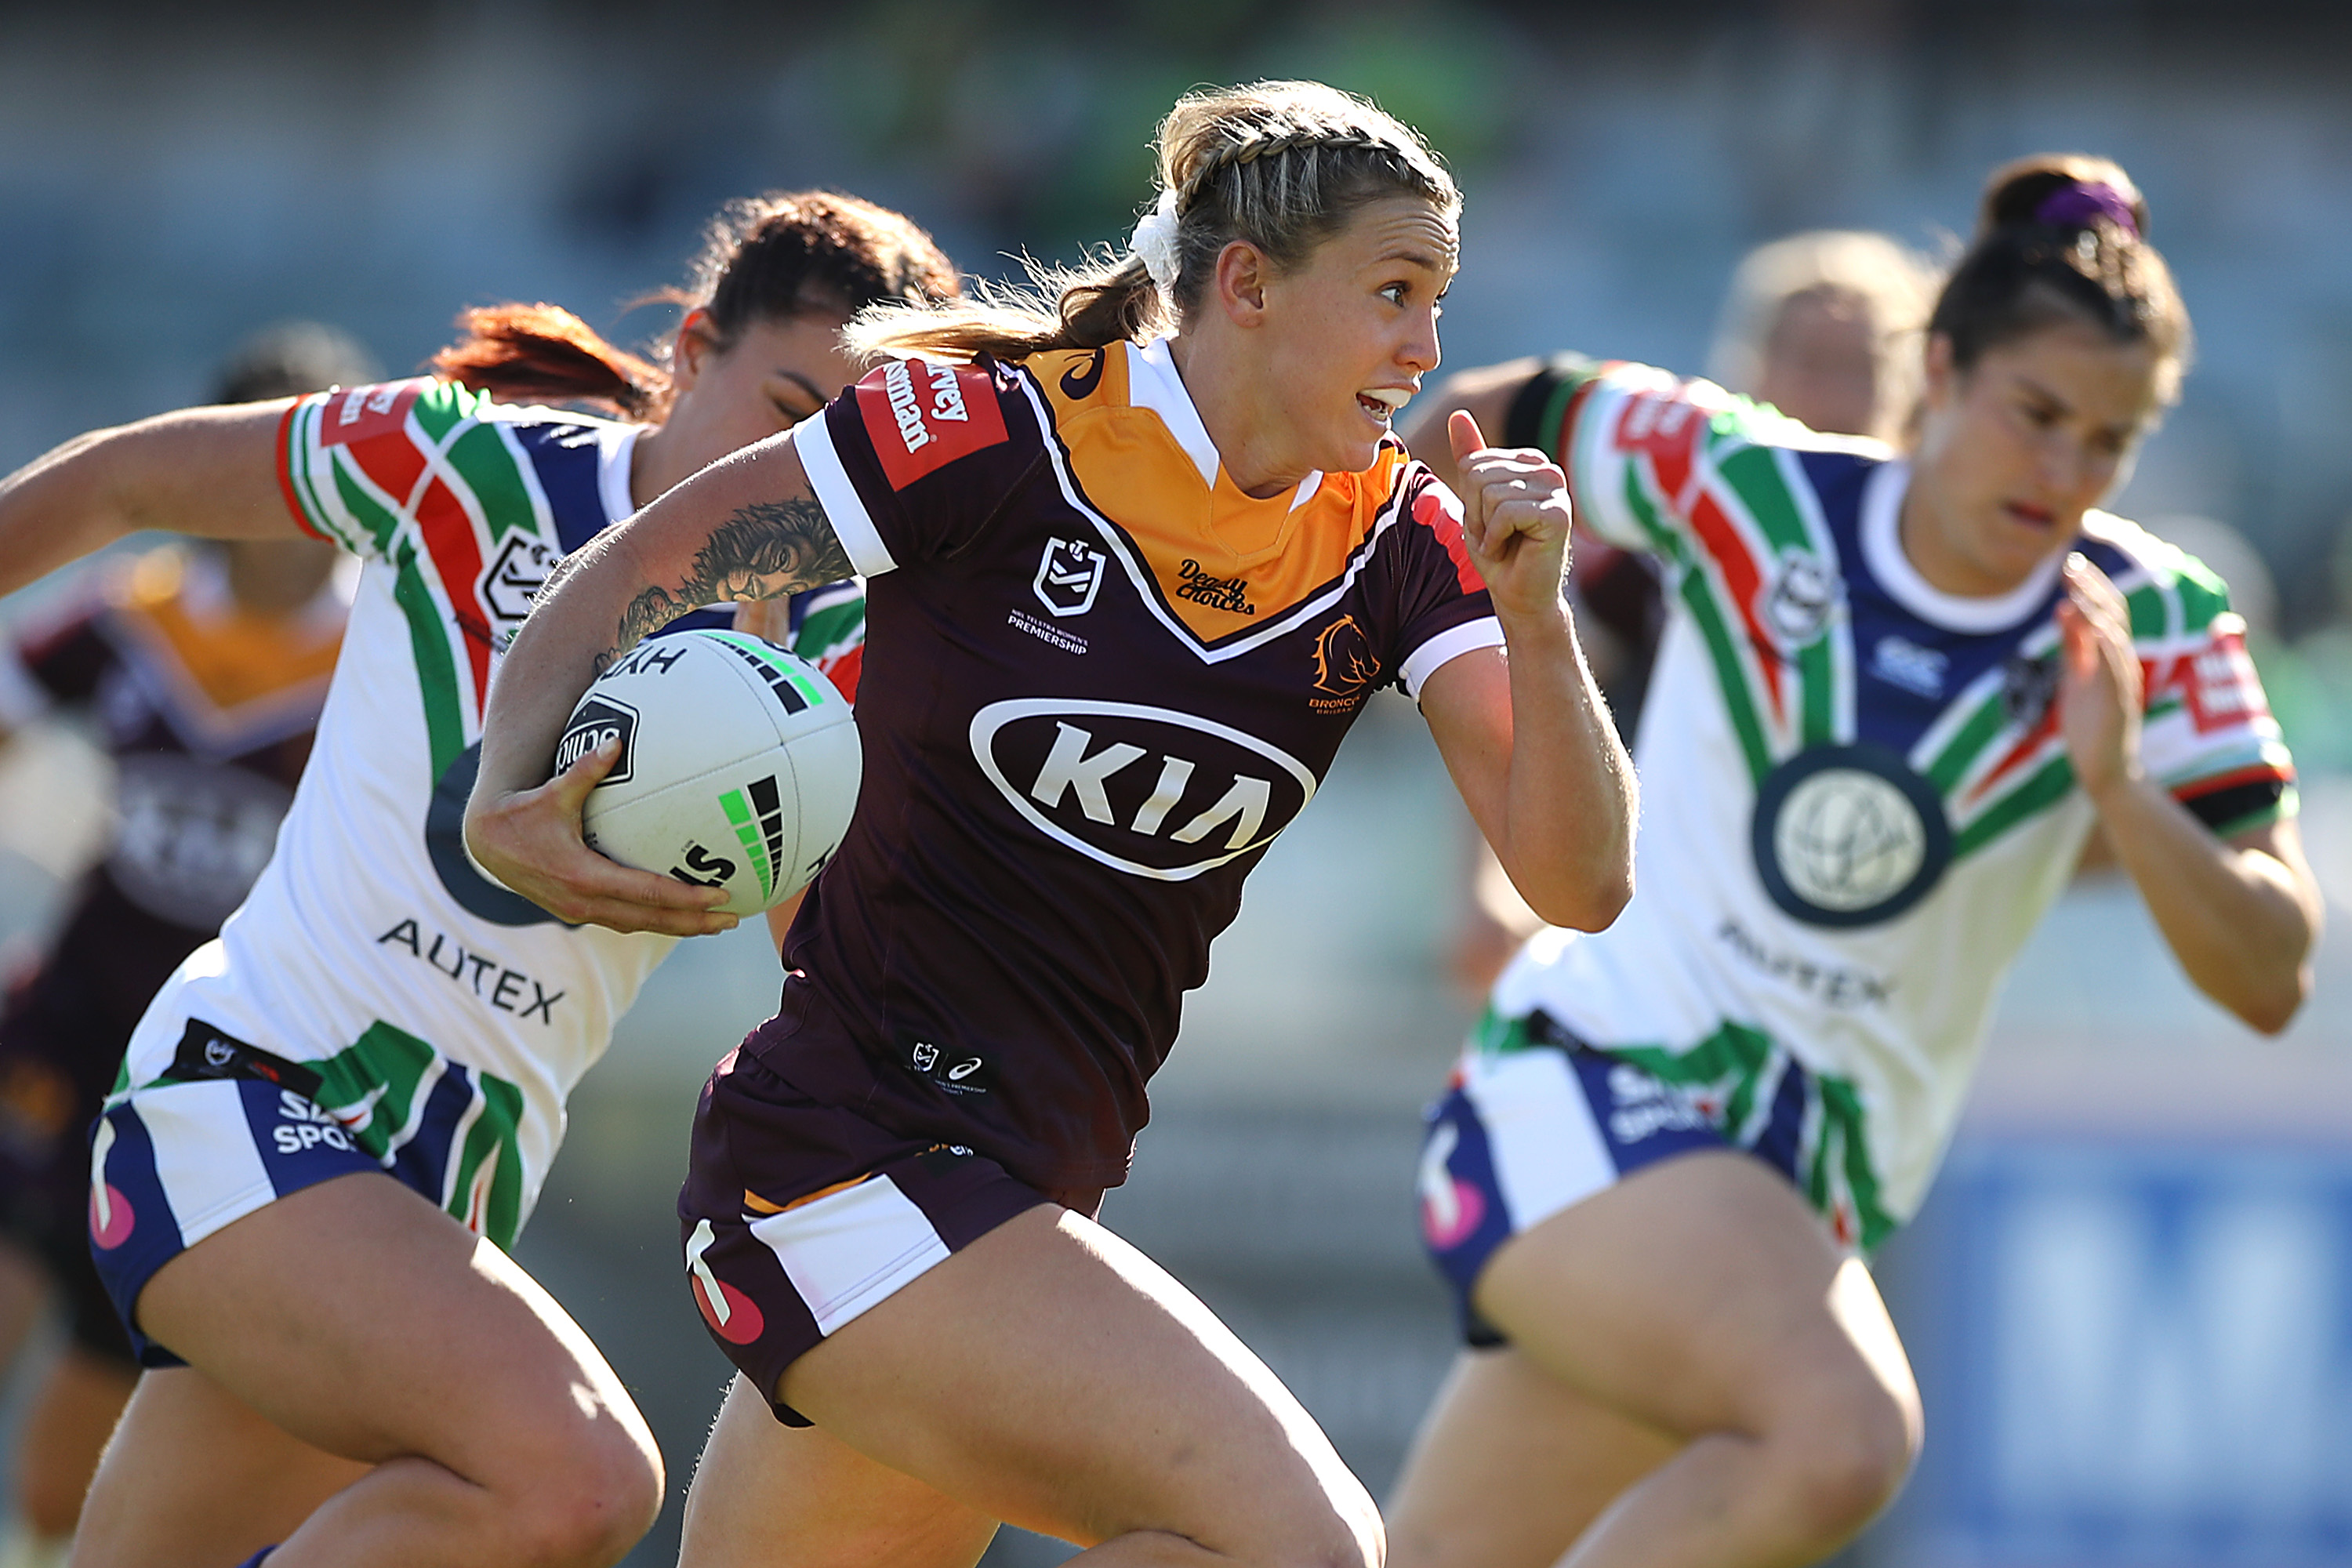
(1895, 696)
(1135, 560)
(1825, 327)
(335, 1117)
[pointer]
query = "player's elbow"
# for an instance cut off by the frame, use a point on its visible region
(1589, 902)
(2270, 1008)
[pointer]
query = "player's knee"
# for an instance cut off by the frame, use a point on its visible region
(590, 1509)
(1346, 1533)
(1845, 1462)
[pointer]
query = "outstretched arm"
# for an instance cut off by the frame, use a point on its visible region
(747, 528)
(2242, 914)
(208, 471)
(1525, 734)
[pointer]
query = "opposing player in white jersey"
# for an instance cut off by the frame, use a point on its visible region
(334, 1118)
(1894, 698)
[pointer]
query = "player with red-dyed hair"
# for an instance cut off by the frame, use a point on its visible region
(333, 1119)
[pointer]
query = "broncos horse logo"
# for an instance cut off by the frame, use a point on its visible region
(1344, 664)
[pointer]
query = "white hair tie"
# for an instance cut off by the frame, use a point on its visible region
(1154, 241)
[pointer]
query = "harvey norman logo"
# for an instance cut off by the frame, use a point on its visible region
(1147, 791)
(922, 416)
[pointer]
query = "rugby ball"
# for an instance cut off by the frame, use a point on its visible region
(739, 765)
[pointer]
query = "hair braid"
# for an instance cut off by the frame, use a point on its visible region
(1281, 165)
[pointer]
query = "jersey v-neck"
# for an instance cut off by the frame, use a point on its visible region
(1883, 554)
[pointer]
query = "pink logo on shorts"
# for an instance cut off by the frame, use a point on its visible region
(109, 1215)
(1450, 1215)
(742, 1321)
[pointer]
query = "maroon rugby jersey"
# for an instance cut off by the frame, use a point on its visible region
(1101, 680)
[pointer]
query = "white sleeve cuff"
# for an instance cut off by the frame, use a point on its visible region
(852, 523)
(1444, 649)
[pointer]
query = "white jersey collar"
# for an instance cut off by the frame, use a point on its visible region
(1881, 551)
(1153, 383)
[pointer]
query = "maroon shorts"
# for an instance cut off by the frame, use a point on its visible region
(799, 1215)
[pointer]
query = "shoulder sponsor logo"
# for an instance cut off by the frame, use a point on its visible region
(922, 416)
(2218, 685)
(1147, 791)
(1805, 594)
(513, 579)
(598, 720)
(1069, 576)
(363, 413)
(1899, 661)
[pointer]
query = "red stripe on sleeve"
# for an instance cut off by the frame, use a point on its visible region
(286, 475)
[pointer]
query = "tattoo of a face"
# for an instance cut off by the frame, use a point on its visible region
(766, 551)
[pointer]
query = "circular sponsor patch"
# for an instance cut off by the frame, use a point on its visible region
(1848, 835)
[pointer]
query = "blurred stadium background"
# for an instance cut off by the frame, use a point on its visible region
(2130, 1300)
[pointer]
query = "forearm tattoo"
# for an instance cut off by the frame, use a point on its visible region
(766, 551)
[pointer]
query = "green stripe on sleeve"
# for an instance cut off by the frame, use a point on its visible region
(379, 520)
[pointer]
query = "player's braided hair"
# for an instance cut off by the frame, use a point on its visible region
(1282, 165)
(766, 258)
(2062, 238)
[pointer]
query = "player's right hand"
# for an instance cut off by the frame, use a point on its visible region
(530, 841)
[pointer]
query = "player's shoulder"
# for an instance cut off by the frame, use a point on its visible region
(2169, 590)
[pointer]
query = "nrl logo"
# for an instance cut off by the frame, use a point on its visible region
(513, 579)
(1068, 577)
(1804, 596)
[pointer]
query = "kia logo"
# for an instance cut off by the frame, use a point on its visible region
(1147, 791)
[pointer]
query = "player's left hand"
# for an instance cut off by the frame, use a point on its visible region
(1515, 517)
(2100, 687)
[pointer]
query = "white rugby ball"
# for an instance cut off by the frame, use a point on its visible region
(739, 765)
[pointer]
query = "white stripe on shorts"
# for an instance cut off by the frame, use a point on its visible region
(1546, 1149)
(850, 1249)
(204, 1158)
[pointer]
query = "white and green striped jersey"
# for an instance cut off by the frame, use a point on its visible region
(1857, 804)
(438, 1006)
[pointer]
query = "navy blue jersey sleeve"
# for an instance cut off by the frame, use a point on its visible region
(912, 462)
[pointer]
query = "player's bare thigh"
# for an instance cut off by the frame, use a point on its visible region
(1051, 1376)
(1696, 1295)
(213, 1480)
(362, 1321)
(1510, 1467)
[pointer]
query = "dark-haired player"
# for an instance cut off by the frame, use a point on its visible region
(1136, 559)
(1894, 696)
(333, 1119)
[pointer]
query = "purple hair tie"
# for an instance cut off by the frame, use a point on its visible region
(2074, 207)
